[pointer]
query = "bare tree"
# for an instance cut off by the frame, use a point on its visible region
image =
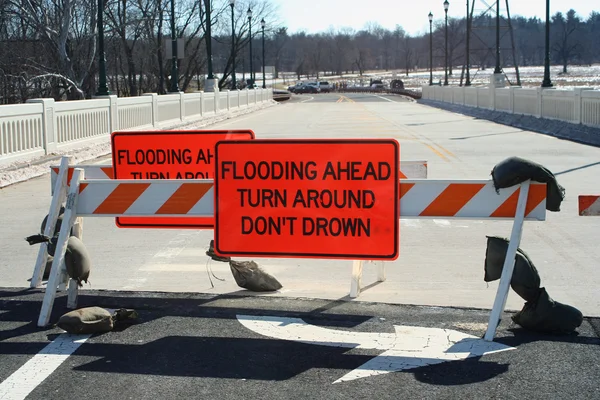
(566, 45)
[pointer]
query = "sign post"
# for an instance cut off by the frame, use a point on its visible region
(184, 154)
(308, 198)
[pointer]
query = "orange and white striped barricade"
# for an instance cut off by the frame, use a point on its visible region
(479, 200)
(409, 169)
(589, 205)
(59, 182)
(194, 198)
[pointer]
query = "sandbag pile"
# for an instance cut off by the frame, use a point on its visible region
(77, 258)
(91, 320)
(540, 313)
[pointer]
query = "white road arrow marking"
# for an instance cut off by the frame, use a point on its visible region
(409, 347)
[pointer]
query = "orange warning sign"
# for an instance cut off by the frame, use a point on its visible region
(308, 198)
(185, 154)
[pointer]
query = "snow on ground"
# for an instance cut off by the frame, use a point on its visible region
(23, 170)
(580, 76)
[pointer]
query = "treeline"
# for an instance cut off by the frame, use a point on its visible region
(49, 48)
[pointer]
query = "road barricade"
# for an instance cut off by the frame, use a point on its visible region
(408, 170)
(589, 206)
(419, 198)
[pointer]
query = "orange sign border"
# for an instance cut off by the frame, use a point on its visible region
(166, 132)
(395, 181)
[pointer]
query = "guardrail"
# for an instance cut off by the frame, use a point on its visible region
(43, 126)
(403, 92)
(577, 106)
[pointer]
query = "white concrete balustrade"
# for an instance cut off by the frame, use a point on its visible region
(578, 106)
(42, 126)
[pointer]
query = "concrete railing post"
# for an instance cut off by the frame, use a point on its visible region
(217, 98)
(539, 102)
(49, 126)
(181, 106)
(154, 100)
(578, 110)
(113, 112)
(201, 104)
(511, 99)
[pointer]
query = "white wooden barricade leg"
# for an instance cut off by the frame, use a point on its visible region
(60, 192)
(355, 284)
(61, 247)
(408, 170)
(509, 264)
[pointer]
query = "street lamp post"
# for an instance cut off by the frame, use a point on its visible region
(262, 24)
(547, 82)
(430, 49)
(102, 87)
(249, 13)
(446, 6)
(468, 51)
(498, 70)
(174, 72)
(209, 40)
(233, 83)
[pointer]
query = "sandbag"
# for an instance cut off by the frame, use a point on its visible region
(40, 238)
(515, 170)
(211, 253)
(59, 220)
(548, 316)
(525, 279)
(249, 275)
(87, 320)
(78, 260)
(48, 268)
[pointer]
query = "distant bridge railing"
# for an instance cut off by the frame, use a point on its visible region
(410, 93)
(577, 106)
(43, 126)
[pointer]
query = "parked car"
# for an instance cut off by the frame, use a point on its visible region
(308, 88)
(377, 84)
(325, 87)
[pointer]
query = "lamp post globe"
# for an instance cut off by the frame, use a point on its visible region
(446, 6)
(233, 82)
(430, 49)
(249, 14)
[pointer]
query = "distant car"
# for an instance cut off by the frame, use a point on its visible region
(295, 87)
(307, 89)
(325, 87)
(376, 84)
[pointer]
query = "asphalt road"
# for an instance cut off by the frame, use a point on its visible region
(441, 260)
(345, 98)
(191, 346)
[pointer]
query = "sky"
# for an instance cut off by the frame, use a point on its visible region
(314, 16)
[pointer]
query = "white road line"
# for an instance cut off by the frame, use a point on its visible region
(385, 98)
(24, 380)
(307, 100)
